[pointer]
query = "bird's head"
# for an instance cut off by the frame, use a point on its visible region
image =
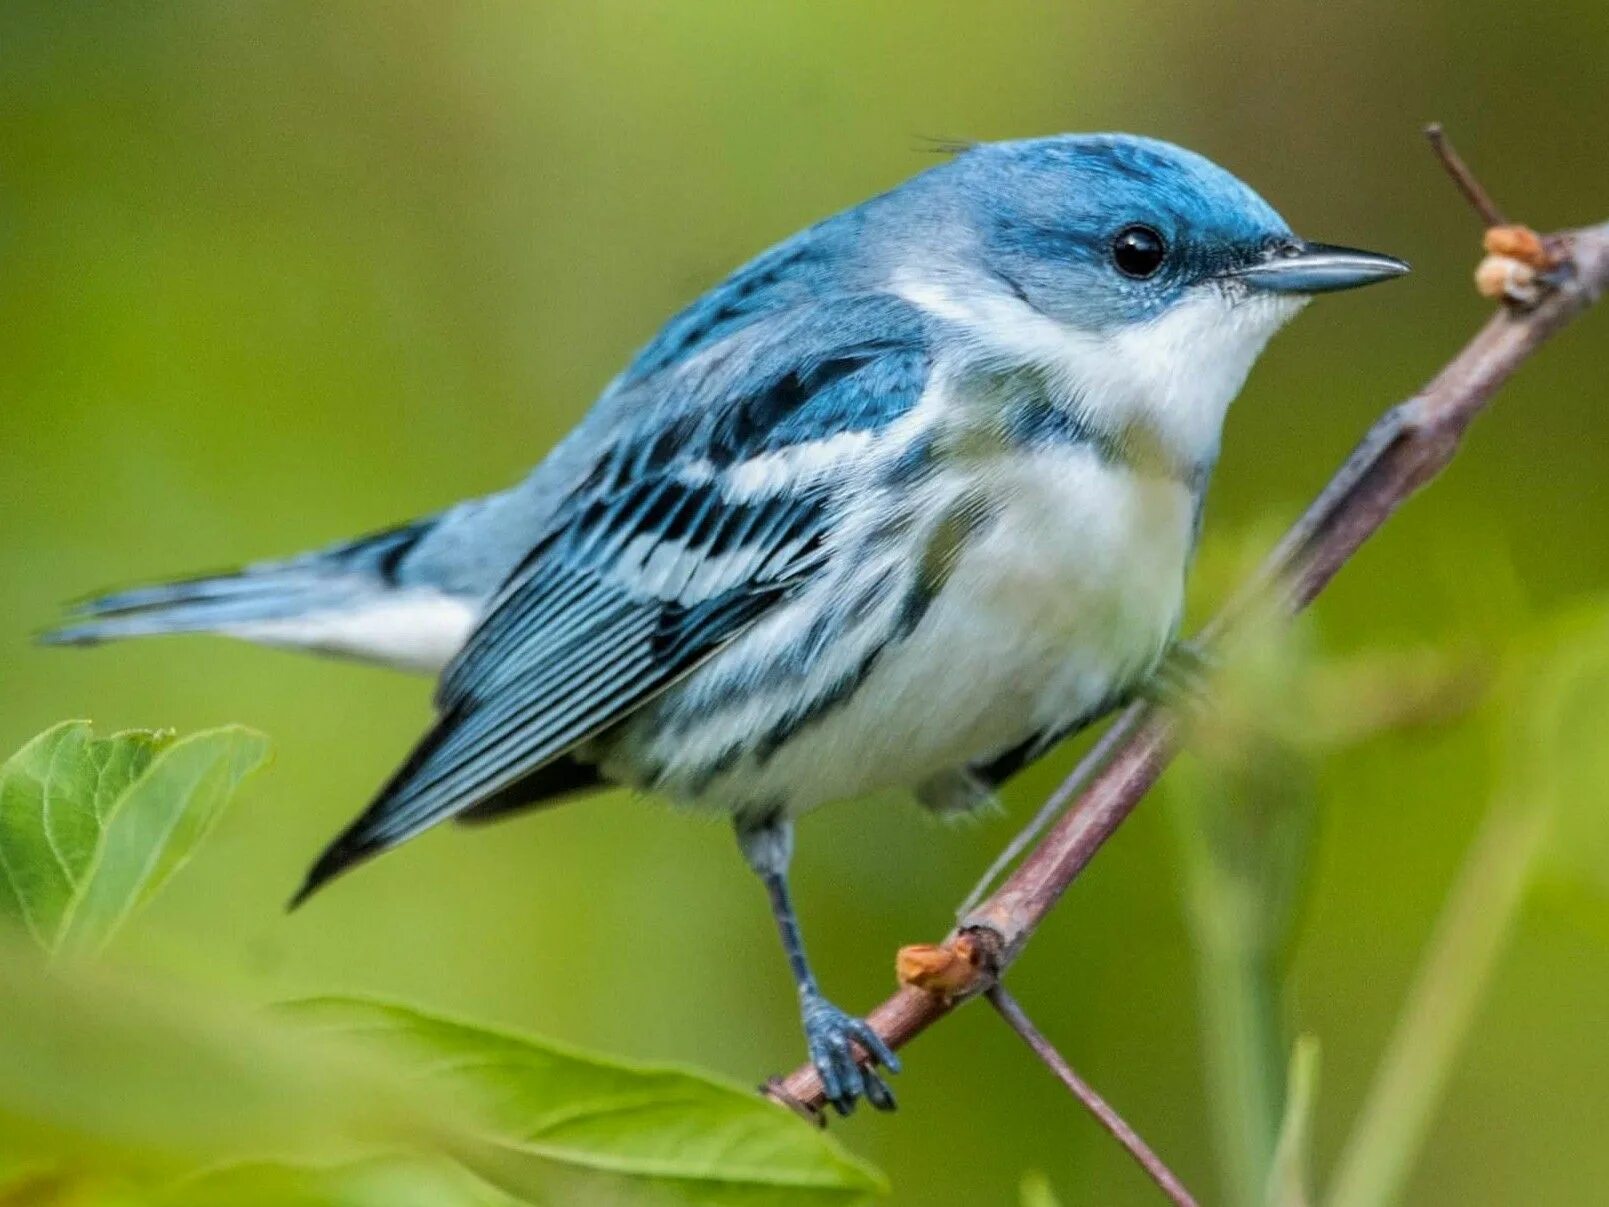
(1099, 230)
(1147, 275)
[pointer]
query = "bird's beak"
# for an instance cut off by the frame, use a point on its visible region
(1319, 268)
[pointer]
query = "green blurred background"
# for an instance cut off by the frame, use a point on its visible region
(271, 274)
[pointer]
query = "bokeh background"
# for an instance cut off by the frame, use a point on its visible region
(271, 274)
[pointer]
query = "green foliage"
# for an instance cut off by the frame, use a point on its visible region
(1290, 1173)
(131, 1087)
(1245, 803)
(91, 828)
(134, 1095)
(376, 1182)
(1546, 826)
(1559, 759)
(117, 1078)
(540, 1112)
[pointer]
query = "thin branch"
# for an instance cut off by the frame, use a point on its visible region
(1468, 184)
(1404, 450)
(1116, 734)
(1104, 1114)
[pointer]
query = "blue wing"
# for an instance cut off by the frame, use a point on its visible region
(670, 547)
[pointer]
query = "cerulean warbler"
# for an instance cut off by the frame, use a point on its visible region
(898, 504)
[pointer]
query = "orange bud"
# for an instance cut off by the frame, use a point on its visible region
(1518, 243)
(943, 970)
(1499, 277)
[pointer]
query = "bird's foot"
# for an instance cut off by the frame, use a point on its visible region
(1182, 679)
(832, 1036)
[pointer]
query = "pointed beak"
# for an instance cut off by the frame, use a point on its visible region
(1319, 268)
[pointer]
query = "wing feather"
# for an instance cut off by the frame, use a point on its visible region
(663, 555)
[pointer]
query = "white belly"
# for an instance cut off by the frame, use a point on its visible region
(1068, 594)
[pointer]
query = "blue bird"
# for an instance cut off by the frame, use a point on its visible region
(897, 505)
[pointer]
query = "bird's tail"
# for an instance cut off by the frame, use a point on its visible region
(347, 600)
(210, 604)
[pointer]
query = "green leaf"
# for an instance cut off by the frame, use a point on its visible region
(112, 1084)
(1290, 1175)
(380, 1182)
(54, 795)
(116, 1082)
(90, 828)
(108, 1078)
(555, 1124)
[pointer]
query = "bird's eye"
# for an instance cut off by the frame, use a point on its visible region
(1138, 251)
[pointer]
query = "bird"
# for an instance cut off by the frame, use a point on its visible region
(897, 505)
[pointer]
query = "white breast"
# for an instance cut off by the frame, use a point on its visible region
(1083, 557)
(1071, 591)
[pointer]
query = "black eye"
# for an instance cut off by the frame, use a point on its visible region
(1138, 251)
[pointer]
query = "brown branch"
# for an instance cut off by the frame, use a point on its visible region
(1404, 450)
(1467, 182)
(1108, 1118)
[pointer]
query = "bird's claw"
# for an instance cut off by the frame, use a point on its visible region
(832, 1036)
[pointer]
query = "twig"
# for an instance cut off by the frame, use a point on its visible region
(1404, 450)
(1085, 1093)
(1466, 180)
(1116, 734)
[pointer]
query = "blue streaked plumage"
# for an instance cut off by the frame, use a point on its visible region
(896, 505)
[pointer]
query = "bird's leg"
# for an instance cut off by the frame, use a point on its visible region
(830, 1033)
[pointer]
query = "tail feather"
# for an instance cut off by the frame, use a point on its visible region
(200, 605)
(356, 600)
